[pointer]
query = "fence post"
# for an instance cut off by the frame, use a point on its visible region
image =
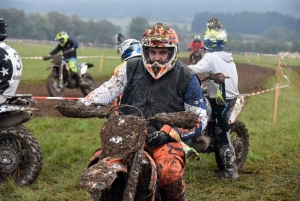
(101, 61)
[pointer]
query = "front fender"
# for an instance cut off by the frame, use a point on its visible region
(101, 175)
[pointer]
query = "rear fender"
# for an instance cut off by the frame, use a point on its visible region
(238, 106)
(82, 67)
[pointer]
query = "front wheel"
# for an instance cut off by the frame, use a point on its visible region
(21, 158)
(90, 86)
(240, 140)
(52, 84)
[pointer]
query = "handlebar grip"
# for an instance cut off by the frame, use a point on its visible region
(45, 58)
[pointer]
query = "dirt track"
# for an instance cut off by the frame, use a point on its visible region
(251, 79)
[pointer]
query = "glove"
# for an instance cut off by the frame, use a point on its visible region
(190, 152)
(158, 138)
(217, 77)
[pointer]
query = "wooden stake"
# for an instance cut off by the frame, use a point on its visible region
(101, 62)
(246, 55)
(276, 102)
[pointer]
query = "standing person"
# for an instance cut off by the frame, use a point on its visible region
(10, 67)
(158, 82)
(68, 47)
(119, 38)
(217, 61)
(195, 45)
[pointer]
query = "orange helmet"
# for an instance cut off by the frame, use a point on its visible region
(159, 35)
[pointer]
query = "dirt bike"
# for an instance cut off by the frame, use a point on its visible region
(60, 71)
(21, 158)
(122, 169)
(196, 56)
(205, 142)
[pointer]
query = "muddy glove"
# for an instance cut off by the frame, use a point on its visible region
(218, 78)
(158, 138)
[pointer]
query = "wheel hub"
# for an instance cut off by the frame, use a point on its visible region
(9, 160)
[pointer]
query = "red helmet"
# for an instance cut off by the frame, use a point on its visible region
(159, 35)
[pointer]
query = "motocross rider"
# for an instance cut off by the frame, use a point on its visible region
(217, 61)
(130, 48)
(196, 44)
(158, 82)
(10, 67)
(68, 47)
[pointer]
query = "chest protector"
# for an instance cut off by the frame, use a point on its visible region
(154, 96)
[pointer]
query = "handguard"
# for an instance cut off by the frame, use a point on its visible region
(76, 109)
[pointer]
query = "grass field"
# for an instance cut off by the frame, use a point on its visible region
(271, 172)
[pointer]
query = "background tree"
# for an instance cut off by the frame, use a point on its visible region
(280, 33)
(137, 27)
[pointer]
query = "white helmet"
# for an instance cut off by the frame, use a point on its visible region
(197, 37)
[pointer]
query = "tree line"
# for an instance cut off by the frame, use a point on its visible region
(254, 32)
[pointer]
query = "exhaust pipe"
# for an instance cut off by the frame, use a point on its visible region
(14, 119)
(22, 102)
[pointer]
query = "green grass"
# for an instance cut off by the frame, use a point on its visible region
(271, 172)
(266, 61)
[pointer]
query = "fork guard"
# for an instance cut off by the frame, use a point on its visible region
(101, 175)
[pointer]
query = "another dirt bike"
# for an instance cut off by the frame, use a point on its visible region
(196, 56)
(60, 70)
(205, 142)
(21, 158)
(122, 169)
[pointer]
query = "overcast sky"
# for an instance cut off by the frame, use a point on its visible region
(132, 8)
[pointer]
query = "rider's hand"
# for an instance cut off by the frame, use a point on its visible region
(158, 138)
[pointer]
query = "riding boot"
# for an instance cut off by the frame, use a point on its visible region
(227, 154)
(80, 80)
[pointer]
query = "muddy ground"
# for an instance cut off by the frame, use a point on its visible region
(251, 79)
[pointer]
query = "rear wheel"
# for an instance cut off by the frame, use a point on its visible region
(240, 140)
(52, 86)
(90, 86)
(21, 157)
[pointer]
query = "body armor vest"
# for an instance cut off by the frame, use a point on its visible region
(154, 96)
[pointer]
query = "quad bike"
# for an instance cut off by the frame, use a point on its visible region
(122, 169)
(196, 56)
(205, 142)
(21, 158)
(60, 71)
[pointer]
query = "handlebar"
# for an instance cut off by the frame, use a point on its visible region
(75, 109)
(45, 58)
(218, 78)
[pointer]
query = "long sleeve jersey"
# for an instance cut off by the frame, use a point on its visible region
(219, 62)
(69, 44)
(10, 71)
